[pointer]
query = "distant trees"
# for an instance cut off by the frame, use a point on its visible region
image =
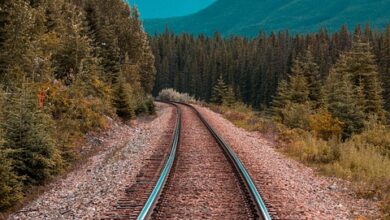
(255, 67)
(351, 93)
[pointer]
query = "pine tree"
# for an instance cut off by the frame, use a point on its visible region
(306, 66)
(281, 100)
(299, 89)
(364, 72)
(146, 63)
(10, 187)
(219, 91)
(384, 57)
(74, 46)
(17, 33)
(342, 98)
(123, 100)
(28, 133)
(229, 99)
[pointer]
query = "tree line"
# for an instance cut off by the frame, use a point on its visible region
(64, 66)
(255, 68)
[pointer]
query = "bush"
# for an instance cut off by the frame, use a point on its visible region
(307, 148)
(173, 95)
(149, 103)
(375, 135)
(324, 125)
(296, 115)
(75, 113)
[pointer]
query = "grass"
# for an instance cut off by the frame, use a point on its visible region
(364, 159)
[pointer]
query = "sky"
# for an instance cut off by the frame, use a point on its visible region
(169, 8)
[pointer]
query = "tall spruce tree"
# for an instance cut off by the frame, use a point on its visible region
(219, 91)
(299, 89)
(230, 98)
(281, 100)
(122, 99)
(28, 133)
(10, 187)
(17, 40)
(342, 98)
(306, 66)
(364, 74)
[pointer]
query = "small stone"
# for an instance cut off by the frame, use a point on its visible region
(333, 186)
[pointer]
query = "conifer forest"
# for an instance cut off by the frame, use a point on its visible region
(86, 60)
(69, 68)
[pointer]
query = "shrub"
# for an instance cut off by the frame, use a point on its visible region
(375, 135)
(149, 103)
(324, 125)
(173, 95)
(307, 148)
(75, 113)
(296, 115)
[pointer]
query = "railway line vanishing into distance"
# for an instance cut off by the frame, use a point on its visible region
(194, 175)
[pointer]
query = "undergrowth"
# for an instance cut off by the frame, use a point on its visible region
(363, 159)
(175, 96)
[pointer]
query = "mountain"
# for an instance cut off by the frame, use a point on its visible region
(248, 17)
(169, 8)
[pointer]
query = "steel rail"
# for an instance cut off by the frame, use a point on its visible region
(255, 196)
(150, 204)
(251, 187)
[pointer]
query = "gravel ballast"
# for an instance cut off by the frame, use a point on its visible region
(290, 189)
(90, 190)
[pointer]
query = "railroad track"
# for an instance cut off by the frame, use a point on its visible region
(200, 177)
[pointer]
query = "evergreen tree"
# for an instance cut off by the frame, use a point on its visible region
(384, 62)
(219, 91)
(10, 187)
(299, 89)
(28, 133)
(281, 100)
(17, 40)
(74, 46)
(123, 100)
(229, 99)
(364, 72)
(309, 69)
(342, 98)
(147, 69)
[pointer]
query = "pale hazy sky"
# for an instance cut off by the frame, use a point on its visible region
(169, 8)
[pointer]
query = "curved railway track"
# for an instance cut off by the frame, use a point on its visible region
(199, 177)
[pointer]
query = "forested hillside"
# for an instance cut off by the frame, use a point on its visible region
(64, 67)
(325, 97)
(255, 67)
(249, 17)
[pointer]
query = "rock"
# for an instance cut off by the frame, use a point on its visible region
(333, 186)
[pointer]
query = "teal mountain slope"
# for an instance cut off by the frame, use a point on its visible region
(249, 17)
